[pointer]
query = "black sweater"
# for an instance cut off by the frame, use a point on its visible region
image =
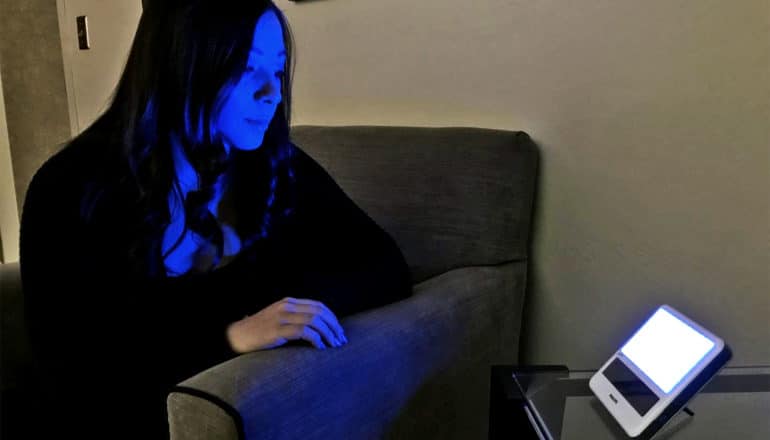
(109, 345)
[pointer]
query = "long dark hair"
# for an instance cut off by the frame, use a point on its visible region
(186, 57)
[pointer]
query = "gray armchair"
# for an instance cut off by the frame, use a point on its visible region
(458, 202)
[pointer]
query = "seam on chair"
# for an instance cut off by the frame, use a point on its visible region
(226, 407)
(502, 263)
(525, 261)
(468, 266)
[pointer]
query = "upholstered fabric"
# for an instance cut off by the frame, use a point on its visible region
(418, 368)
(451, 197)
(204, 416)
(16, 399)
(13, 339)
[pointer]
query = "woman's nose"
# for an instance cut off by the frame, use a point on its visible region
(269, 91)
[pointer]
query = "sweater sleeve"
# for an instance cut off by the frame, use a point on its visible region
(345, 259)
(106, 347)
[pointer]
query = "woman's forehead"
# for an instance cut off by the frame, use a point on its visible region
(268, 36)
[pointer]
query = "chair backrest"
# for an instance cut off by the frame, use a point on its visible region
(449, 196)
(15, 355)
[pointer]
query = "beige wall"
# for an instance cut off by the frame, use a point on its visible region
(653, 118)
(92, 75)
(9, 214)
(33, 84)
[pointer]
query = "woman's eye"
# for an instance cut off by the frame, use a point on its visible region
(252, 69)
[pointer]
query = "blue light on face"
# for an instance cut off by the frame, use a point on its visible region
(666, 349)
(252, 102)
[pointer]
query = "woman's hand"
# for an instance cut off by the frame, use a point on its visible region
(285, 320)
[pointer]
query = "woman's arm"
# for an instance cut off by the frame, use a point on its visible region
(345, 259)
(75, 321)
(106, 346)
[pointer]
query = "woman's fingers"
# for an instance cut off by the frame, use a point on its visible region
(317, 323)
(286, 319)
(311, 306)
(328, 315)
(300, 331)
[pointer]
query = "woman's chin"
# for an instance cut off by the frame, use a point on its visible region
(248, 147)
(243, 143)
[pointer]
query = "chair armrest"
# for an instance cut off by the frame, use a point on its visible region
(420, 349)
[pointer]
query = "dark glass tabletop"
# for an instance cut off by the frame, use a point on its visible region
(557, 404)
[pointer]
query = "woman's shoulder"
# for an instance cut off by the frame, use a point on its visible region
(313, 178)
(307, 168)
(83, 157)
(298, 156)
(66, 174)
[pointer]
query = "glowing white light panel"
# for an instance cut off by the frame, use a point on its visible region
(666, 349)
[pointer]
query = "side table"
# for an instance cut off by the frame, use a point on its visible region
(554, 403)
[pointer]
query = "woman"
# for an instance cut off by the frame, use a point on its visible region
(184, 228)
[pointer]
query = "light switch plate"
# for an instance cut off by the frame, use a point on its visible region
(83, 42)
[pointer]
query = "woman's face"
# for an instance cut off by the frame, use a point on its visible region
(251, 104)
